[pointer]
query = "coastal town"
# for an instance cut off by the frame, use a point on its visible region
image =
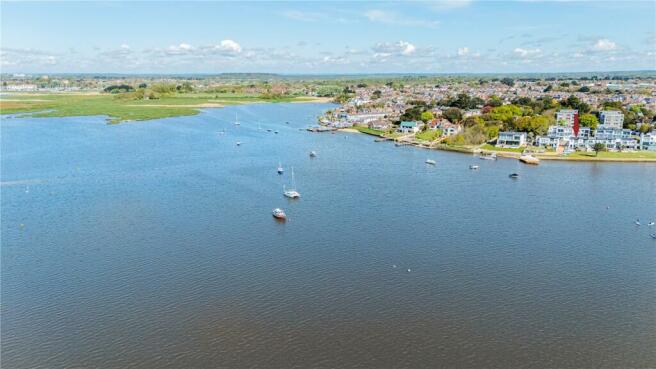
(551, 118)
(579, 117)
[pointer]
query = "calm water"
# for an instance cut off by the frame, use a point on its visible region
(151, 245)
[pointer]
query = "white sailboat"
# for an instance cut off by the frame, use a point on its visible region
(236, 120)
(291, 193)
(281, 170)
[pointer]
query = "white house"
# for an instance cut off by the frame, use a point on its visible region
(511, 139)
(566, 117)
(611, 119)
(648, 141)
(409, 127)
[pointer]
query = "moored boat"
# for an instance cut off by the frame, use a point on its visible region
(514, 175)
(529, 159)
(313, 154)
(279, 214)
(430, 161)
(474, 167)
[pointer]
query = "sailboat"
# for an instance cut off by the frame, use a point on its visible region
(236, 121)
(291, 193)
(280, 168)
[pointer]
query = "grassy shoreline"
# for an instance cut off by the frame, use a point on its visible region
(120, 110)
(633, 157)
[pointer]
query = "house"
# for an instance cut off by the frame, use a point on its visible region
(380, 125)
(450, 129)
(409, 127)
(511, 139)
(611, 119)
(648, 141)
(566, 117)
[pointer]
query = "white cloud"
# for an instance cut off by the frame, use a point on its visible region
(525, 53)
(228, 46)
(397, 48)
(605, 44)
(387, 17)
(51, 60)
(463, 51)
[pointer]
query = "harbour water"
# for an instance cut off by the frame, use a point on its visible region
(152, 245)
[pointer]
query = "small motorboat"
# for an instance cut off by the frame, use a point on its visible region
(473, 167)
(492, 156)
(529, 159)
(514, 175)
(268, 129)
(279, 214)
(430, 161)
(637, 222)
(651, 223)
(238, 143)
(281, 170)
(276, 132)
(653, 235)
(313, 154)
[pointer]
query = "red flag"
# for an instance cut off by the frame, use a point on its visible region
(576, 124)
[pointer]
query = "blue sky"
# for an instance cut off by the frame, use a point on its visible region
(328, 37)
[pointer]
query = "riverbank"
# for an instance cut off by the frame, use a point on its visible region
(120, 109)
(605, 156)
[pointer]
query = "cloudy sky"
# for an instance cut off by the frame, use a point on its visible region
(328, 37)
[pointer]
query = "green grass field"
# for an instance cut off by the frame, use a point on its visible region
(369, 131)
(614, 155)
(428, 135)
(494, 148)
(119, 109)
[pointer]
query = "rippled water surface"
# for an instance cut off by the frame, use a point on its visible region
(151, 245)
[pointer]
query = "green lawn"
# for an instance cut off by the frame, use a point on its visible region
(429, 135)
(494, 148)
(369, 131)
(119, 109)
(615, 155)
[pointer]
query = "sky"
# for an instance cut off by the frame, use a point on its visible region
(329, 37)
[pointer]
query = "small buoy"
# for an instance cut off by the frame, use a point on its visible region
(409, 270)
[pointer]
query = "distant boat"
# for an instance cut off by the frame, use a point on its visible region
(222, 132)
(292, 193)
(268, 129)
(430, 161)
(514, 176)
(637, 222)
(313, 154)
(279, 214)
(280, 168)
(238, 143)
(651, 224)
(492, 156)
(653, 235)
(286, 122)
(276, 132)
(236, 121)
(473, 167)
(529, 159)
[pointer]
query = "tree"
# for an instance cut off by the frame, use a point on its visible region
(589, 120)
(598, 147)
(412, 114)
(547, 89)
(506, 113)
(508, 81)
(584, 89)
(494, 101)
(453, 114)
(426, 116)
